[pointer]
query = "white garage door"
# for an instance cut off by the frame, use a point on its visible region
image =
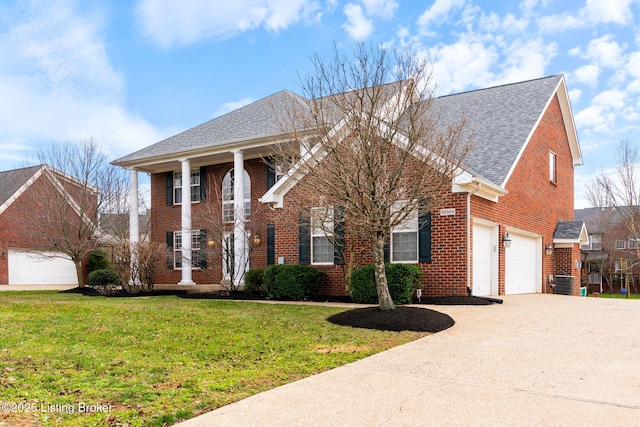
(29, 268)
(483, 260)
(523, 265)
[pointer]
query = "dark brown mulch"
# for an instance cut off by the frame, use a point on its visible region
(401, 319)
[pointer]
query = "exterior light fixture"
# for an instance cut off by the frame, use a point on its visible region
(506, 240)
(211, 243)
(257, 239)
(549, 249)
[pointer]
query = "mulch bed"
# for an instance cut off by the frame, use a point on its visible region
(403, 318)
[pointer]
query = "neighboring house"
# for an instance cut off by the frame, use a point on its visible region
(612, 250)
(517, 187)
(25, 256)
(114, 227)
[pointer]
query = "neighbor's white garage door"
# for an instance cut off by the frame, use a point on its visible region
(523, 265)
(29, 268)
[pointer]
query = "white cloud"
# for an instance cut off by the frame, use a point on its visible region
(168, 22)
(60, 84)
(593, 13)
(574, 95)
(439, 11)
(358, 26)
(526, 59)
(633, 65)
(587, 74)
(230, 106)
(461, 65)
(381, 8)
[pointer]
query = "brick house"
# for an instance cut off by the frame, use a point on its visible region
(25, 256)
(516, 190)
(611, 255)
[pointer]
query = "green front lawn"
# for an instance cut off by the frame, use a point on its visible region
(156, 360)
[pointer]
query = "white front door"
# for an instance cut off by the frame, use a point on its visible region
(484, 274)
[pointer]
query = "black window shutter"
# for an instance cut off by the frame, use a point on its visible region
(385, 252)
(271, 245)
(338, 232)
(271, 176)
(169, 188)
(424, 237)
(304, 254)
(203, 246)
(170, 246)
(203, 183)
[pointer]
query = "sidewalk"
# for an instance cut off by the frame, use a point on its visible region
(534, 360)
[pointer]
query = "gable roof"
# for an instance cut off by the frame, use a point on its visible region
(14, 182)
(574, 231)
(501, 121)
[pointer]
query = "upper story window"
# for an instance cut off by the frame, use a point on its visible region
(193, 186)
(621, 244)
(404, 238)
(553, 174)
(595, 243)
(633, 241)
(322, 226)
(228, 203)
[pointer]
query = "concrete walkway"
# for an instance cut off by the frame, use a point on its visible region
(534, 360)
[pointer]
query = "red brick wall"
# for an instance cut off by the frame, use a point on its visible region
(533, 203)
(208, 215)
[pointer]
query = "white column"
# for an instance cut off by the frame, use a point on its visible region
(134, 227)
(186, 223)
(239, 236)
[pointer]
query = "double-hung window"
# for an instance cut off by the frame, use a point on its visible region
(553, 174)
(193, 186)
(228, 203)
(322, 226)
(404, 237)
(196, 247)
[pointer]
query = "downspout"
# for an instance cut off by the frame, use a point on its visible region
(469, 249)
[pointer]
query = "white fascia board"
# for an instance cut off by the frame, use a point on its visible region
(467, 183)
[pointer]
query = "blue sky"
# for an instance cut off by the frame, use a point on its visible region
(134, 72)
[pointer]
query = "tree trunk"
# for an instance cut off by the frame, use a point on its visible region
(384, 297)
(79, 274)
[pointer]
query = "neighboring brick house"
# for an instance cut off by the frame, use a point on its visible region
(517, 187)
(21, 248)
(612, 252)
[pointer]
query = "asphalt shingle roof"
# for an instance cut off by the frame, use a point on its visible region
(501, 119)
(11, 181)
(255, 120)
(568, 230)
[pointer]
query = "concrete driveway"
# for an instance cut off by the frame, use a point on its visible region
(534, 360)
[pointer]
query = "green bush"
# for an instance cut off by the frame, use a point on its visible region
(296, 282)
(402, 280)
(253, 283)
(98, 260)
(105, 281)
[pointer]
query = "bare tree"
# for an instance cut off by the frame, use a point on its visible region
(63, 211)
(621, 190)
(369, 142)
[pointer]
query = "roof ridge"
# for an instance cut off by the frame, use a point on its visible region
(498, 86)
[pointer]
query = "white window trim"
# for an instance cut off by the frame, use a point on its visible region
(231, 202)
(409, 225)
(621, 244)
(320, 232)
(196, 247)
(195, 172)
(553, 167)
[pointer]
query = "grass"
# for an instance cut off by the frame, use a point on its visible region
(618, 296)
(158, 360)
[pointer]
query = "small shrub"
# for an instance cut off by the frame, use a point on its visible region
(402, 280)
(296, 282)
(98, 260)
(253, 282)
(105, 281)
